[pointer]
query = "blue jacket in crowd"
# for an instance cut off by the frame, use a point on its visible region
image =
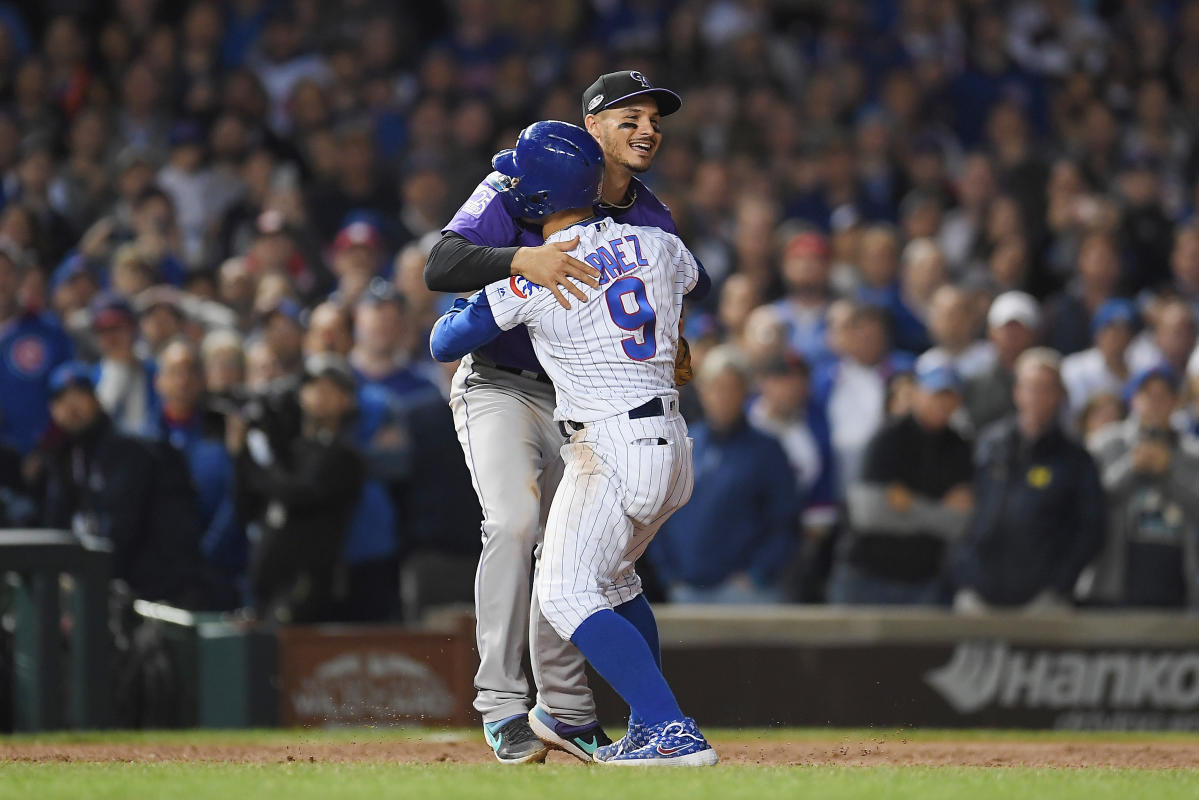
(223, 541)
(743, 515)
(372, 533)
(31, 346)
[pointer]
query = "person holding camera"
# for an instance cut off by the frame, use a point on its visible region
(301, 497)
(1151, 474)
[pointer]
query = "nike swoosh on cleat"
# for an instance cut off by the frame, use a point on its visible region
(588, 747)
(670, 751)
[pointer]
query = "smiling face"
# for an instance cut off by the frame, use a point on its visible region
(629, 133)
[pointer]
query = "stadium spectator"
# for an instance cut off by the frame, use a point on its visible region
(784, 409)
(1039, 505)
(1013, 321)
(1068, 315)
(952, 326)
(139, 496)
(32, 344)
(1103, 368)
(878, 267)
(161, 318)
(301, 498)
(197, 431)
(380, 337)
(124, 382)
(806, 276)
(1100, 411)
(1151, 475)
(224, 362)
(733, 541)
(1170, 339)
(910, 504)
(357, 256)
(852, 389)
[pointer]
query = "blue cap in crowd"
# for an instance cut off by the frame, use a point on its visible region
(941, 378)
(73, 374)
(71, 267)
(1162, 372)
(288, 308)
(1117, 311)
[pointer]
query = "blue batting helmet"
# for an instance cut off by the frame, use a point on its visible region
(554, 166)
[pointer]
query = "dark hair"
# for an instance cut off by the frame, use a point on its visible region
(152, 193)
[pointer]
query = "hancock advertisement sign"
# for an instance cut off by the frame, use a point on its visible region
(1100, 688)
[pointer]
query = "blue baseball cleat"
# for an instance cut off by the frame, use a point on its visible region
(636, 737)
(581, 741)
(513, 742)
(671, 744)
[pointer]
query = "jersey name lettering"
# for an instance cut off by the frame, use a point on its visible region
(613, 261)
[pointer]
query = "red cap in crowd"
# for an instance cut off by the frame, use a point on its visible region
(358, 234)
(808, 243)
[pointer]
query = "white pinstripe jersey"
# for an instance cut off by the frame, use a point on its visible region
(616, 351)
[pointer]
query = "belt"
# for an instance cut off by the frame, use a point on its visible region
(651, 408)
(540, 377)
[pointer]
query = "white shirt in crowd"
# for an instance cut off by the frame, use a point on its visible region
(856, 410)
(1087, 374)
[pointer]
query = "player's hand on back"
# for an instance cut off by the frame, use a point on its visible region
(551, 266)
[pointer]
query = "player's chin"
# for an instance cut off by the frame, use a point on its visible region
(638, 162)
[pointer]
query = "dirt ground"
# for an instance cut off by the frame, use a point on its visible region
(849, 751)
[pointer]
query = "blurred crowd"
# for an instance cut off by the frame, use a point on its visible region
(951, 358)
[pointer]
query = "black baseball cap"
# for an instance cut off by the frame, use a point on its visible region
(332, 366)
(610, 89)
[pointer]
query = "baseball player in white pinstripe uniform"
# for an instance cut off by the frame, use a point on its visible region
(627, 454)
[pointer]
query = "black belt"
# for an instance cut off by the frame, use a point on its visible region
(540, 377)
(650, 408)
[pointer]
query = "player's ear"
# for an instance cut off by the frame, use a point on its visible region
(592, 123)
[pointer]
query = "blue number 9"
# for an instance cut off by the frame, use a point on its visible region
(641, 319)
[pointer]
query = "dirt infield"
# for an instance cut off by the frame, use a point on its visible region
(849, 751)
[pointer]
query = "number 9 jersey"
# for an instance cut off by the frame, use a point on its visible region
(614, 352)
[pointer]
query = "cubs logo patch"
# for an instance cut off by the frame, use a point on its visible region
(28, 356)
(521, 286)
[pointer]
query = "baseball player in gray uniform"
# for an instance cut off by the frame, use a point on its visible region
(503, 407)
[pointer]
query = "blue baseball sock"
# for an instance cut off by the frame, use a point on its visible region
(638, 612)
(621, 656)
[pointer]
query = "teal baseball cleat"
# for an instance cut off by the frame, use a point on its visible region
(513, 742)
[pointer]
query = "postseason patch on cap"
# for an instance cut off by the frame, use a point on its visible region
(595, 103)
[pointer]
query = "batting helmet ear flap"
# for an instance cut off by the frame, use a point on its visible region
(505, 162)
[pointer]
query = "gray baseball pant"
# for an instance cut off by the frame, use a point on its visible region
(506, 427)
